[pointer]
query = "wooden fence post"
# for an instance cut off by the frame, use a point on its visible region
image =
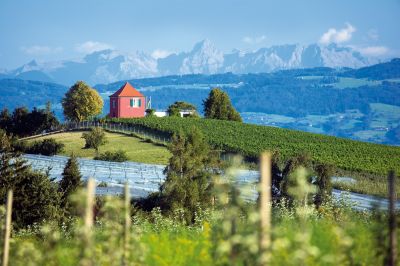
(392, 259)
(87, 259)
(89, 204)
(265, 208)
(7, 233)
(127, 224)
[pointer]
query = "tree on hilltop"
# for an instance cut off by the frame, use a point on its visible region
(219, 106)
(81, 102)
(175, 108)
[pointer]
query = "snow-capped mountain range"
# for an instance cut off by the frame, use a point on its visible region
(110, 65)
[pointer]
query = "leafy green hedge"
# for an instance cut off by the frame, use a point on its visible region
(251, 140)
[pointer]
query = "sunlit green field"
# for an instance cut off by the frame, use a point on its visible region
(354, 83)
(137, 149)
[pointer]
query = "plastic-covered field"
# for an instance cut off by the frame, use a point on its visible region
(142, 178)
(146, 178)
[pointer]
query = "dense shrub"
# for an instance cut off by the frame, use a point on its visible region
(47, 147)
(175, 108)
(95, 138)
(150, 112)
(117, 156)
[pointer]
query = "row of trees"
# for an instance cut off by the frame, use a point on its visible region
(82, 102)
(23, 122)
(216, 106)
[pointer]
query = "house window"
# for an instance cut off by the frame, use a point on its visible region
(135, 102)
(113, 104)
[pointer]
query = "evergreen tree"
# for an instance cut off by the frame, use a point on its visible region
(71, 180)
(35, 195)
(188, 175)
(219, 106)
(5, 120)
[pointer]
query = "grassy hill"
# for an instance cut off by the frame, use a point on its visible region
(136, 149)
(251, 140)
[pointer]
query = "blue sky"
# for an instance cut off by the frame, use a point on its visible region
(49, 30)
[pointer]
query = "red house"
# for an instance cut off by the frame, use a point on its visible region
(127, 102)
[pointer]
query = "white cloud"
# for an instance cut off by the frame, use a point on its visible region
(374, 50)
(91, 46)
(158, 53)
(41, 50)
(337, 36)
(254, 40)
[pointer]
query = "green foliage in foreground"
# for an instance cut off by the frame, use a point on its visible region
(35, 195)
(228, 235)
(251, 140)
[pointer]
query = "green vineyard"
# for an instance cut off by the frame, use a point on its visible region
(251, 140)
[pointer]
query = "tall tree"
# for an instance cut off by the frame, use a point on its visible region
(81, 102)
(219, 106)
(71, 180)
(188, 174)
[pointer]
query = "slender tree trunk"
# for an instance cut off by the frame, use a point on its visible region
(265, 208)
(86, 257)
(392, 256)
(127, 225)
(7, 233)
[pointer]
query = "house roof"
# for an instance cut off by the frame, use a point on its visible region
(127, 90)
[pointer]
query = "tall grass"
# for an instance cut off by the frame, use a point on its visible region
(227, 233)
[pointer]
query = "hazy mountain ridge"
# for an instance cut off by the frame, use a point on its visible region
(321, 100)
(110, 65)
